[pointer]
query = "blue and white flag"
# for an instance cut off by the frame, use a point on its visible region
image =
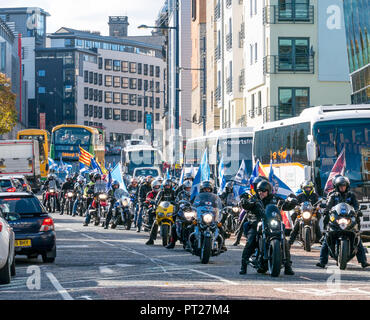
(221, 176)
(168, 174)
(196, 184)
(52, 164)
(278, 186)
(181, 181)
(117, 174)
(241, 181)
(255, 172)
(95, 166)
(204, 167)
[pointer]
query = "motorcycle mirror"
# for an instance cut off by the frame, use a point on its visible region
(311, 149)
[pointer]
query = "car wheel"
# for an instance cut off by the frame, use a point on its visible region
(12, 267)
(49, 257)
(5, 273)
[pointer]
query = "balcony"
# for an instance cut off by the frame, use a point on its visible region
(229, 85)
(289, 64)
(228, 3)
(218, 94)
(226, 125)
(242, 80)
(217, 53)
(243, 120)
(229, 41)
(274, 113)
(217, 11)
(289, 13)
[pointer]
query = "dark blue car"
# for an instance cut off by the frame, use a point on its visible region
(33, 227)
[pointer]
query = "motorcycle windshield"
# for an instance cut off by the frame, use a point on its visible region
(100, 187)
(272, 212)
(52, 184)
(119, 193)
(208, 203)
(343, 209)
(306, 206)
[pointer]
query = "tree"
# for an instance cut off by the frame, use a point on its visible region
(8, 112)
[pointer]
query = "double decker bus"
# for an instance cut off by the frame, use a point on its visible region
(67, 139)
(233, 145)
(43, 137)
(306, 147)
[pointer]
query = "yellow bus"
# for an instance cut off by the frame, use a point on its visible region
(43, 137)
(66, 140)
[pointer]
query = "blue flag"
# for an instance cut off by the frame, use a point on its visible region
(95, 166)
(52, 164)
(196, 184)
(279, 187)
(204, 167)
(117, 174)
(168, 174)
(255, 172)
(221, 176)
(241, 180)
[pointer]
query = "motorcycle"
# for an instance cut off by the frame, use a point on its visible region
(271, 243)
(343, 236)
(307, 216)
(186, 217)
(206, 240)
(122, 213)
(69, 196)
(148, 215)
(164, 220)
(99, 206)
(232, 220)
(51, 197)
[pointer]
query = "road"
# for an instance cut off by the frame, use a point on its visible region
(97, 264)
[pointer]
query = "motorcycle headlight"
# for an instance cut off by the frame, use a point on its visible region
(103, 197)
(169, 214)
(306, 215)
(274, 224)
(189, 215)
(235, 209)
(160, 214)
(70, 194)
(52, 190)
(343, 223)
(125, 203)
(207, 218)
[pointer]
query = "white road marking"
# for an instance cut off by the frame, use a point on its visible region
(63, 292)
(72, 246)
(106, 270)
(124, 265)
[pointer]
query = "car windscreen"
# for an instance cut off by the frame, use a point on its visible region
(4, 184)
(25, 206)
(146, 172)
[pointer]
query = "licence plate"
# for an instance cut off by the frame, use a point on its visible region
(23, 243)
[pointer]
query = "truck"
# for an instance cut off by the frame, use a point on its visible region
(21, 157)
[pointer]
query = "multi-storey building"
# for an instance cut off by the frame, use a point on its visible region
(110, 82)
(357, 21)
(30, 25)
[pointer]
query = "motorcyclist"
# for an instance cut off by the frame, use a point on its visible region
(166, 194)
(51, 182)
(227, 197)
(78, 189)
(308, 195)
(256, 213)
(133, 188)
(67, 186)
(183, 195)
(111, 200)
(341, 194)
(144, 189)
(89, 189)
(156, 186)
(187, 177)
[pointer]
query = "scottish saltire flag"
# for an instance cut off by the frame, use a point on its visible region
(278, 186)
(196, 184)
(241, 181)
(204, 166)
(338, 169)
(95, 166)
(221, 176)
(117, 174)
(52, 164)
(181, 181)
(83, 168)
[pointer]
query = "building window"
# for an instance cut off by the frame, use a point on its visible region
(95, 78)
(108, 97)
(124, 65)
(124, 98)
(108, 81)
(145, 69)
(139, 68)
(292, 101)
(294, 54)
(124, 83)
(139, 84)
(151, 102)
(95, 94)
(293, 10)
(100, 112)
(132, 115)
(117, 114)
(132, 99)
(100, 79)
(139, 101)
(133, 83)
(139, 116)
(124, 115)
(116, 97)
(108, 64)
(157, 87)
(116, 82)
(91, 94)
(194, 10)
(145, 85)
(116, 65)
(91, 77)
(41, 73)
(151, 71)
(107, 113)
(86, 110)
(157, 117)
(91, 111)
(157, 103)
(95, 111)
(86, 76)
(100, 95)
(132, 67)
(158, 72)
(100, 63)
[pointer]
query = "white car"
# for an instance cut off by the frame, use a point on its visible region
(147, 171)
(7, 253)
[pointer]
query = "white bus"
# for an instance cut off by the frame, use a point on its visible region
(306, 147)
(141, 155)
(233, 145)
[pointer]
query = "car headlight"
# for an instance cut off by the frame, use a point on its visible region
(343, 223)
(235, 209)
(189, 215)
(70, 194)
(274, 224)
(207, 218)
(306, 215)
(103, 197)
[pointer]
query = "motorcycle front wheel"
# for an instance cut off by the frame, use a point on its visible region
(165, 232)
(275, 258)
(307, 239)
(206, 250)
(343, 254)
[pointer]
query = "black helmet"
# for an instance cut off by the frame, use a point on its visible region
(167, 183)
(91, 176)
(97, 176)
(229, 187)
(257, 180)
(115, 183)
(206, 185)
(341, 181)
(188, 176)
(264, 186)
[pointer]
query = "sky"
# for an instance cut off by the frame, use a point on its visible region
(93, 14)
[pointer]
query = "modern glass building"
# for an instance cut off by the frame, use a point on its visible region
(357, 21)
